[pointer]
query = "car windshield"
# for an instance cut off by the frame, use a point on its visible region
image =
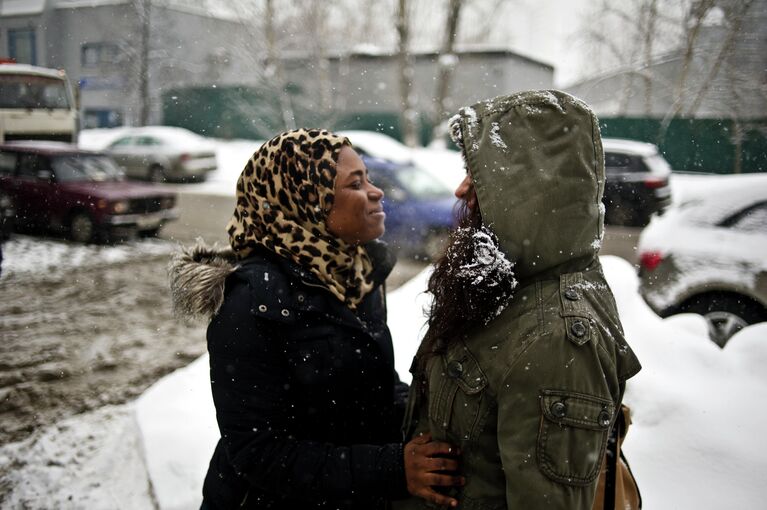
(420, 184)
(26, 91)
(85, 167)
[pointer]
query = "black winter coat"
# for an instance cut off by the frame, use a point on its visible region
(307, 399)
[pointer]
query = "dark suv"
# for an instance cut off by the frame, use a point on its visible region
(637, 182)
(58, 187)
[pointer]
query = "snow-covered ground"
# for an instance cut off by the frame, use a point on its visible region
(694, 443)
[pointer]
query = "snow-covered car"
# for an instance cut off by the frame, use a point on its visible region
(708, 255)
(637, 182)
(56, 186)
(379, 145)
(163, 153)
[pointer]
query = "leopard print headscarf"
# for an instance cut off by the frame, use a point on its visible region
(283, 197)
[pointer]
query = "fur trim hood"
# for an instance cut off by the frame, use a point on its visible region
(197, 276)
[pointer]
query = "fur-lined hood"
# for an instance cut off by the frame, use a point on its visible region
(197, 276)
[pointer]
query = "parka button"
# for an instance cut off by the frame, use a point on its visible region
(301, 298)
(285, 312)
(261, 308)
(454, 369)
(559, 409)
(572, 294)
(578, 329)
(604, 418)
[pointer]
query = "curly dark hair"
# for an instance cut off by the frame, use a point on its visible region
(462, 300)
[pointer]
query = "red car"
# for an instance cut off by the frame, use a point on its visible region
(58, 187)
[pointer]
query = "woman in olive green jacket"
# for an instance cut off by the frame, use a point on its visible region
(524, 362)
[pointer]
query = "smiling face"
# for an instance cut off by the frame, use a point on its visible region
(357, 214)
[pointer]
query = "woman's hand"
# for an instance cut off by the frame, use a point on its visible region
(431, 464)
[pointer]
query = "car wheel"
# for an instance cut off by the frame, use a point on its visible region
(81, 228)
(157, 174)
(725, 314)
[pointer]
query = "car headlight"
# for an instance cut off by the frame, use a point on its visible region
(120, 207)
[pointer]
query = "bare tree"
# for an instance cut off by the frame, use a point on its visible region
(408, 114)
(629, 36)
(693, 22)
(650, 15)
(274, 68)
(447, 61)
(137, 59)
(735, 14)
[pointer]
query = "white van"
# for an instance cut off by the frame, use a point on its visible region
(36, 103)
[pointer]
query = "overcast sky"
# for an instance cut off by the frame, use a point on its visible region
(549, 34)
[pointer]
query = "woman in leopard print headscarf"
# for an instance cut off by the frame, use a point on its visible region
(302, 366)
(283, 198)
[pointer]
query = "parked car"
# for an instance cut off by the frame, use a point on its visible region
(708, 255)
(163, 153)
(419, 209)
(637, 182)
(58, 187)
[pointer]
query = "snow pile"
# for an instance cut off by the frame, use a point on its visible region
(93, 460)
(694, 441)
(34, 256)
(178, 423)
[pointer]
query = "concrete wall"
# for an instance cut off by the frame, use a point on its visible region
(370, 83)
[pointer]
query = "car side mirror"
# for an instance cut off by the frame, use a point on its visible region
(45, 175)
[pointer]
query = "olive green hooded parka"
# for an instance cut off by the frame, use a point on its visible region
(530, 397)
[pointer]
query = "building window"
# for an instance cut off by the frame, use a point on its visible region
(101, 118)
(21, 45)
(95, 54)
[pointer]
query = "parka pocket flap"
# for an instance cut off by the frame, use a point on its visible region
(465, 371)
(577, 409)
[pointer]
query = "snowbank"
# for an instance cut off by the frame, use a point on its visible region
(92, 460)
(178, 423)
(34, 257)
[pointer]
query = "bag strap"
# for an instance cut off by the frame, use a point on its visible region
(613, 441)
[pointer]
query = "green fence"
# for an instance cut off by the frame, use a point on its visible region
(699, 145)
(702, 145)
